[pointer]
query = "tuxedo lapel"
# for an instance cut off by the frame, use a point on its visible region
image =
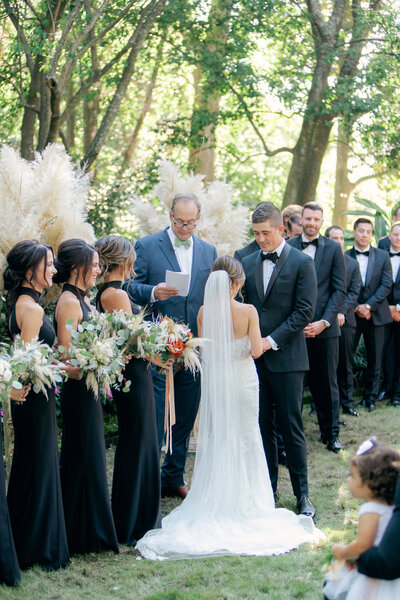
(319, 253)
(370, 266)
(296, 242)
(279, 264)
(168, 251)
(259, 277)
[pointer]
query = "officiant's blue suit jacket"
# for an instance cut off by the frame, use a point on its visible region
(154, 255)
(285, 308)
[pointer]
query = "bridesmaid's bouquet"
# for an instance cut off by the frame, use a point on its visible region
(175, 340)
(96, 353)
(134, 335)
(28, 363)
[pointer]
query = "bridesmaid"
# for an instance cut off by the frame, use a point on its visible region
(87, 507)
(9, 568)
(136, 481)
(34, 492)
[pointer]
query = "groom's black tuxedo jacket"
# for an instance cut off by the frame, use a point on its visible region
(378, 283)
(285, 308)
(331, 277)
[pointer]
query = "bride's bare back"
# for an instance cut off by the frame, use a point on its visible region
(245, 322)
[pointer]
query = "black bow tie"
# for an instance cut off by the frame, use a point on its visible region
(394, 254)
(272, 256)
(365, 253)
(306, 244)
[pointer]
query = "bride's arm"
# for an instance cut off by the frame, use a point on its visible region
(254, 333)
(199, 321)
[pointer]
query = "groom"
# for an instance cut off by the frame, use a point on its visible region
(281, 284)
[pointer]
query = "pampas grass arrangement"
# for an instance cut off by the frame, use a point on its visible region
(44, 199)
(221, 223)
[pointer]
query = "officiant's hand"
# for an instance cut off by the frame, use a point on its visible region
(162, 291)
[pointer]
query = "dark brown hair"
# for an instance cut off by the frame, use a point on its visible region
(25, 255)
(312, 206)
(379, 468)
(74, 253)
(266, 211)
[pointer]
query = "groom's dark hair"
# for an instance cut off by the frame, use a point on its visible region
(266, 211)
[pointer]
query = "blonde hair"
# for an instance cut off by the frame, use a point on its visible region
(114, 251)
(232, 267)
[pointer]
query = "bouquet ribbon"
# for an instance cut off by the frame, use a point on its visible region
(169, 416)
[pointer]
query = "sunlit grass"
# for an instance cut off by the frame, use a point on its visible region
(296, 575)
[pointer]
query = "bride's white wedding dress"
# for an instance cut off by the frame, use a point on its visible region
(230, 506)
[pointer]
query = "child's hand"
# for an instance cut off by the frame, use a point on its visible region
(339, 551)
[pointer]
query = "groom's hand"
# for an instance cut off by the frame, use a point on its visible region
(266, 344)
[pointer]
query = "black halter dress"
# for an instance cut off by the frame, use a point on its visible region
(136, 480)
(34, 491)
(87, 507)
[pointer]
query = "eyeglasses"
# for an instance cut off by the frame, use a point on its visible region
(181, 224)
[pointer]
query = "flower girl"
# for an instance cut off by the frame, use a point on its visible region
(373, 476)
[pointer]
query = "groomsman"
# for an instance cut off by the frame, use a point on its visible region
(347, 322)
(384, 243)
(393, 340)
(372, 311)
(281, 284)
(174, 249)
(323, 333)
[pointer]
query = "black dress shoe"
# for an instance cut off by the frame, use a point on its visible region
(371, 407)
(395, 402)
(383, 395)
(350, 411)
(362, 403)
(180, 491)
(334, 446)
(305, 506)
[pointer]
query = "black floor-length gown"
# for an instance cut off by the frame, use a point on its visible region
(136, 480)
(9, 568)
(87, 506)
(34, 491)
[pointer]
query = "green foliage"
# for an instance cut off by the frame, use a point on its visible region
(380, 218)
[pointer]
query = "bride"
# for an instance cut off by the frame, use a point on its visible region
(230, 506)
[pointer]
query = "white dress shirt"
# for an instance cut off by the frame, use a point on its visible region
(311, 249)
(268, 269)
(363, 262)
(183, 255)
(395, 260)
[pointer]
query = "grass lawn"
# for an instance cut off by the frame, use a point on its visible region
(297, 574)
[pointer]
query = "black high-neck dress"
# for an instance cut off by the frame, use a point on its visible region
(9, 568)
(136, 480)
(87, 506)
(34, 491)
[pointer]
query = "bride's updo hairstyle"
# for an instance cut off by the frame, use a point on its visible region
(72, 254)
(232, 266)
(22, 257)
(114, 251)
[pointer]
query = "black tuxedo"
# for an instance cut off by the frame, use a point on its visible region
(348, 331)
(383, 561)
(378, 283)
(392, 345)
(323, 350)
(384, 243)
(284, 309)
(246, 251)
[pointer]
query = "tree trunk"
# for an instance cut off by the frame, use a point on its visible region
(207, 97)
(30, 115)
(343, 187)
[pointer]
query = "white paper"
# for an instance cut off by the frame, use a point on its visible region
(178, 280)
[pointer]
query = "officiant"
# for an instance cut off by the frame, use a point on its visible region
(176, 249)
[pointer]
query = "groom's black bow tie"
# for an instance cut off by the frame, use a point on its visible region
(306, 244)
(364, 253)
(394, 254)
(272, 256)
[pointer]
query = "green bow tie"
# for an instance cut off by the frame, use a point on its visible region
(185, 243)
